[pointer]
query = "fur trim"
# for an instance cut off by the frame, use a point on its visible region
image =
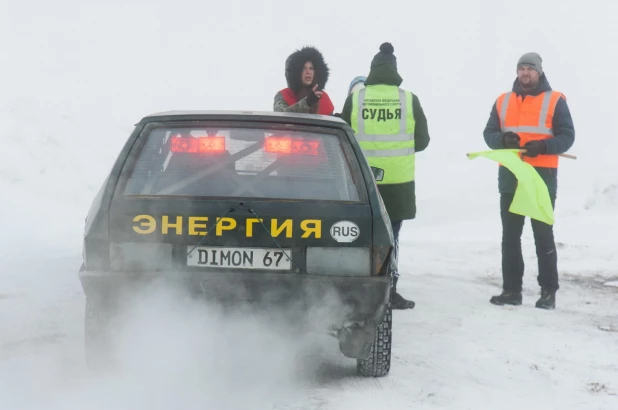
(294, 68)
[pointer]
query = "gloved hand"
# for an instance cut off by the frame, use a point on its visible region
(313, 96)
(510, 140)
(534, 148)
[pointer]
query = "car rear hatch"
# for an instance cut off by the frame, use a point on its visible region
(209, 198)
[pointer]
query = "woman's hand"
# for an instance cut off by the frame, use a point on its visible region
(314, 96)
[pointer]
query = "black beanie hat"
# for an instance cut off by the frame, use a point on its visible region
(385, 56)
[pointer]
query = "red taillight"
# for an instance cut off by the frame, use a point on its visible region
(278, 145)
(306, 147)
(212, 144)
(203, 145)
(180, 144)
(283, 145)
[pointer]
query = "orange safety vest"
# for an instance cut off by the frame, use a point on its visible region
(531, 118)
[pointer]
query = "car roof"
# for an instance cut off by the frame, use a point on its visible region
(266, 116)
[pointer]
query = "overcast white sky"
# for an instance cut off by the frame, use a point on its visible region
(126, 59)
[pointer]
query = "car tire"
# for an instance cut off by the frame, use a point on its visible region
(97, 335)
(378, 363)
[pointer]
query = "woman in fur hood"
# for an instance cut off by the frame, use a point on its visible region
(306, 73)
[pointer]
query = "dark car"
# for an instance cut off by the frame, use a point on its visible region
(271, 209)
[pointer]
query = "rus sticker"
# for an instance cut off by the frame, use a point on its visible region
(345, 231)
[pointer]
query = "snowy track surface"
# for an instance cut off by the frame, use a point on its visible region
(453, 351)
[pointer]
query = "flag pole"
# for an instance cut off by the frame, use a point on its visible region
(560, 155)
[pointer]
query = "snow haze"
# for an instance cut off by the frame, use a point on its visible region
(76, 76)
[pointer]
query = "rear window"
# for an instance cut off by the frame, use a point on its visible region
(206, 160)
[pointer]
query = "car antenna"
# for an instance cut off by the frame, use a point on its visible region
(242, 205)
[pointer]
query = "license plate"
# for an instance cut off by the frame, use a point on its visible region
(239, 258)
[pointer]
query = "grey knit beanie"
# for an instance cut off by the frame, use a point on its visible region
(385, 56)
(534, 60)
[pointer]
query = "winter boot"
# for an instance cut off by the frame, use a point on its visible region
(397, 301)
(547, 299)
(507, 298)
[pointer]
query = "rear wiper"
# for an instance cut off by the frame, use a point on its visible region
(233, 209)
(242, 205)
(213, 227)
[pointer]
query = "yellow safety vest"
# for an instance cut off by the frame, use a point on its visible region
(383, 121)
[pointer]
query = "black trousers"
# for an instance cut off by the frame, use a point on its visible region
(512, 259)
(396, 225)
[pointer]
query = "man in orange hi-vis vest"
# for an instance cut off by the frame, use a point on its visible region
(537, 119)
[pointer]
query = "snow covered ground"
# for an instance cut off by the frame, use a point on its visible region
(78, 75)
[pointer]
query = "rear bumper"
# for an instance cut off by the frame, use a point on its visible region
(334, 301)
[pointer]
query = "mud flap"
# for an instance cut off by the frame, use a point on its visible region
(355, 341)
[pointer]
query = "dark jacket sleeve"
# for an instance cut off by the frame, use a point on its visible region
(421, 131)
(563, 129)
(280, 105)
(493, 133)
(346, 111)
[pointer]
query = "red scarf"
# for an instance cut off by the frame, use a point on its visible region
(325, 105)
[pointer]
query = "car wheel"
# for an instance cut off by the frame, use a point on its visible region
(97, 335)
(378, 363)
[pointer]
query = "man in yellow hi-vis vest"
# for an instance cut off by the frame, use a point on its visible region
(390, 127)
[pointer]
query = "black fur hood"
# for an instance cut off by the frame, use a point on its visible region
(294, 68)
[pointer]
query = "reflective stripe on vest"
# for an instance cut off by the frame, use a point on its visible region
(383, 122)
(531, 118)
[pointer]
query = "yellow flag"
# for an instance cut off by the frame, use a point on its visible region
(531, 196)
